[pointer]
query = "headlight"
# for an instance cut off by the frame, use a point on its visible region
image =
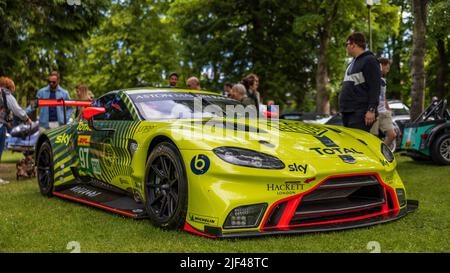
(387, 152)
(245, 216)
(248, 158)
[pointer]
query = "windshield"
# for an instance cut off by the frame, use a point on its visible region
(177, 105)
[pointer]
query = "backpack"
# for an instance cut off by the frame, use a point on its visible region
(5, 115)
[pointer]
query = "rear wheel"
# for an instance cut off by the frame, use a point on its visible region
(440, 149)
(45, 171)
(166, 192)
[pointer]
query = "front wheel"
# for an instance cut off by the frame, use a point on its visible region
(166, 194)
(45, 171)
(440, 149)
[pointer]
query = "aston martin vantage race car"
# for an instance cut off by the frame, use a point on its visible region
(184, 160)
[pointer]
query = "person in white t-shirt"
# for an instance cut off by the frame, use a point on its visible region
(384, 120)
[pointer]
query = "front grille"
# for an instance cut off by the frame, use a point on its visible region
(341, 198)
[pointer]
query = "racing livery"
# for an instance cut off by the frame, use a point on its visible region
(163, 154)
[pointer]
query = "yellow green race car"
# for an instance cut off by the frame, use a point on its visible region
(185, 160)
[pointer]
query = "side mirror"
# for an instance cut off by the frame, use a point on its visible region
(92, 111)
(89, 112)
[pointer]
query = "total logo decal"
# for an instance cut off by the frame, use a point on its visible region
(200, 164)
(336, 150)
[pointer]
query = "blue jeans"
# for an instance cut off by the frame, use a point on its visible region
(2, 140)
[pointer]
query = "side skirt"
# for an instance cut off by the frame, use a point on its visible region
(104, 199)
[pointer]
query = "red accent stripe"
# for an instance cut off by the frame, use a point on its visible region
(94, 204)
(293, 202)
(191, 229)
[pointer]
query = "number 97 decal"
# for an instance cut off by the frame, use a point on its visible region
(84, 157)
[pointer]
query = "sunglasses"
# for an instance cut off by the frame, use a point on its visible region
(52, 82)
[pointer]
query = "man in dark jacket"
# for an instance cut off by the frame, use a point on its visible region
(359, 97)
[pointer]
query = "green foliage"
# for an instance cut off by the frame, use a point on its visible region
(120, 44)
(134, 46)
(39, 36)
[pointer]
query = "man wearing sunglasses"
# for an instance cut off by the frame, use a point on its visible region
(52, 117)
(359, 97)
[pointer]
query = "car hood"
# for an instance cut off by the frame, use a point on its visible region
(284, 139)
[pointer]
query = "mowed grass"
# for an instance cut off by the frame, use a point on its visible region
(30, 222)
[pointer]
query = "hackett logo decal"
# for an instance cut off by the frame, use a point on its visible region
(288, 188)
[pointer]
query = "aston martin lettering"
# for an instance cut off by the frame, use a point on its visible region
(298, 168)
(63, 139)
(333, 151)
(160, 96)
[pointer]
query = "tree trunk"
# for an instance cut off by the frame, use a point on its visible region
(395, 76)
(442, 73)
(322, 98)
(417, 58)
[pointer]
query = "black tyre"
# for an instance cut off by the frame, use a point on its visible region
(166, 193)
(440, 149)
(45, 171)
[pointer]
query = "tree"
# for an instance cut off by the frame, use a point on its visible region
(228, 39)
(39, 36)
(419, 8)
(438, 25)
(134, 46)
(330, 22)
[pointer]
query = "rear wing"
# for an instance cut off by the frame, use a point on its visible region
(63, 103)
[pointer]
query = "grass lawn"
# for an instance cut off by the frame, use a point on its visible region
(30, 222)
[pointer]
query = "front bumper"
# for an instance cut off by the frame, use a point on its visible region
(411, 206)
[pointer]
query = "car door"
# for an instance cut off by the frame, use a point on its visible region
(110, 158)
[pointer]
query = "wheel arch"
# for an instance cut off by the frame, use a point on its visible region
(42, 138)
(436, 132)
(159, 139)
